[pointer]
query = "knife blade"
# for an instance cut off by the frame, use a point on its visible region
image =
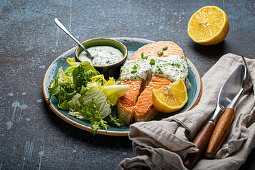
(224, 123)
(228, 91)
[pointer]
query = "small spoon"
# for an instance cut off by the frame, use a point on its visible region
(60, 25)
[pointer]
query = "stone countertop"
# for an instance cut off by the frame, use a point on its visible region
(31, 135)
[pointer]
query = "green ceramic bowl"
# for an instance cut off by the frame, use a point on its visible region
(112, 70)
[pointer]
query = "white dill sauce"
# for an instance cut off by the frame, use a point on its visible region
(102, 55)
(172, 67)
(135, 69)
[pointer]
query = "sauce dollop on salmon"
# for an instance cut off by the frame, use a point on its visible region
(157, 69)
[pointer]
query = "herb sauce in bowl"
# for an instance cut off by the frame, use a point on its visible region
(108, 55)
(102, 55)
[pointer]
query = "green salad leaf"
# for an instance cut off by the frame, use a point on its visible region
(63, 88)
(90, 113)
(84, 92)
(114, 92)
(95, 93)
(113, 118)
(83, 74)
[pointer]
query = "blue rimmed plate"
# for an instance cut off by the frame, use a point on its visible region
(132, 45)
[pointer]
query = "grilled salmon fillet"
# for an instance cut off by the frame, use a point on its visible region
(136, 104)
(127, 102)
(153, 48)
(144, 109)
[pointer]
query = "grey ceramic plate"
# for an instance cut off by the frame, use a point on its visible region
(132, 45)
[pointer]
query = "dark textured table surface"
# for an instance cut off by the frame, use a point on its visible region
(31, 135)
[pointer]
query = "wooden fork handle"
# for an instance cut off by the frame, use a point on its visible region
(201, 140)
(220, 132)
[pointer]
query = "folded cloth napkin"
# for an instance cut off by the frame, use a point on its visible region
(164, 144)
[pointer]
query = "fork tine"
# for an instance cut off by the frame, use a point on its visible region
(247, 83)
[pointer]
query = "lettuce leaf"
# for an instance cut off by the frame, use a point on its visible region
(63, 88)
(95, 93)
(85, 93)
(99, 79)
(83, 74)
(114, 92)
(74, 104)
(111, 81)
(91, 114)
(113, 119)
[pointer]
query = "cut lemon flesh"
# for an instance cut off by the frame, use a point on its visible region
(170, 98)
(208, 26)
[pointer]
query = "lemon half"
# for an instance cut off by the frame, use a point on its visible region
(208, 26)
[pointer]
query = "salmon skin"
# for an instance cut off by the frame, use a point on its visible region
(136, 104)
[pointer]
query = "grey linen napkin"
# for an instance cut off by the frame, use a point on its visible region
(164, 144)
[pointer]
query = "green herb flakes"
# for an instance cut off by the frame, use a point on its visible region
(152, 62)
(165, 48)
(134, 71)
(143, 56)
(160, 52)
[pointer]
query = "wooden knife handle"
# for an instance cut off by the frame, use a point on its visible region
(201, 140)
(220, 132)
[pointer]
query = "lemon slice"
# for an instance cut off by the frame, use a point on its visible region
(170, 98)
(208, 25)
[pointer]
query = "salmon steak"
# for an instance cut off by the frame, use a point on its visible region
(136, 104)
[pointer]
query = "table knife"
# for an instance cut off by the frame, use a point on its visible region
(227, 93)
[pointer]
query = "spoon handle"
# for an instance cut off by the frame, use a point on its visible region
(68, 33)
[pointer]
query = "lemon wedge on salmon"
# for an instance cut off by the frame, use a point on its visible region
(208, 26)
(170, 98)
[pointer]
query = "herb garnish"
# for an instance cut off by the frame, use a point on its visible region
(143, 57)
(159, 70)
(134, 69)
(178, 65)
(165, 48)
(160, 52)
(152, 62)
